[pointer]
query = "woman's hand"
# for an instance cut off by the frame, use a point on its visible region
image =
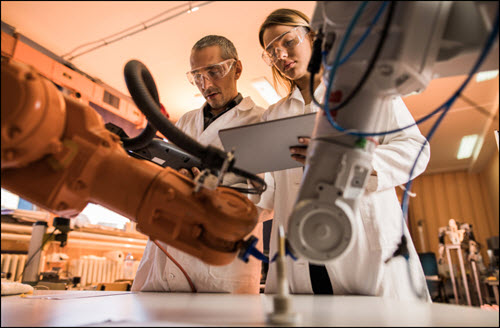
(194, 172)
(298, 153)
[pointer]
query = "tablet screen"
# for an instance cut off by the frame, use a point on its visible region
(265, 146)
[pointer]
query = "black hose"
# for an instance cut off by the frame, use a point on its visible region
(142, 140)
(255, 178)
(145, 137)
(137, 77)
(315, 64)
(142, 88)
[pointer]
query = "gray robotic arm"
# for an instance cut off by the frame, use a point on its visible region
(421, 36)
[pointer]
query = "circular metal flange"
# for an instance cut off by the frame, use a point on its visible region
(319, 231)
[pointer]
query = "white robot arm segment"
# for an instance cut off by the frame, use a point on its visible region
(322, 225)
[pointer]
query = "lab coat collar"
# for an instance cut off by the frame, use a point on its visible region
(296, 96)
(246, 104)
(319, 93)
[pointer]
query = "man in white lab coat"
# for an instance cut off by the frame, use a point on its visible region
(215, 69)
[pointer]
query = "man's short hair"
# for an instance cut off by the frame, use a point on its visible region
(228, 50)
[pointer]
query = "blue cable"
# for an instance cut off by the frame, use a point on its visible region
(251, 250)
(258, 255)
(347, 34)
(335, 65)
(404, 202)
(375, 56)
(434, 112)
(447, 105)
(367, 32)
(361, 39)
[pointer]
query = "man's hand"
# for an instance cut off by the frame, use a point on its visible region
(255, 184)
(193, 174)
(298, 153)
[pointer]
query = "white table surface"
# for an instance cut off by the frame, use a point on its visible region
(186, 309)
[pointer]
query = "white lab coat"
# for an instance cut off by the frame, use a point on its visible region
(158, 273)
(362, 271)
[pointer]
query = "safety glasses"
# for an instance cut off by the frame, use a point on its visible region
(284, 43)
(212, 72)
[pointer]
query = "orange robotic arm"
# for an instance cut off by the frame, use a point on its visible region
(57, 154)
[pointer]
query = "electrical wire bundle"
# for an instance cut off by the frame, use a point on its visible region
(319, 55)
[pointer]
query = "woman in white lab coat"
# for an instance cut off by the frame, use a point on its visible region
(362, 271)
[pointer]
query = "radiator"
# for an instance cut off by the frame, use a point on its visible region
(93, 270)
(14, 264)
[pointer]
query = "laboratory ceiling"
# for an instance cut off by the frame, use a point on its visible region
(62, 26)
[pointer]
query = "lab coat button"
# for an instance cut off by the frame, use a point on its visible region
(171, 276)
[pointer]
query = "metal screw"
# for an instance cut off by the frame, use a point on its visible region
(170, 195)
(9, 154)
(79, 184)
(55, 147)
(62, 206)
(14, 131)
(114, 137)
(196, 231)
(400, 80)
(156, 215)
(385, 69)
(29, 76)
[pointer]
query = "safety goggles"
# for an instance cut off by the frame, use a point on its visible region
(212, 72)
(284, 43)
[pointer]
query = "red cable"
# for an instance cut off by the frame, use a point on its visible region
(164, 111)
(373, 140)
(193, 288)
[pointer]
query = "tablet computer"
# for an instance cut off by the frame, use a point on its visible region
(265, 146)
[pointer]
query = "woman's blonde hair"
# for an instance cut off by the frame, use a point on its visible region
(288, 17)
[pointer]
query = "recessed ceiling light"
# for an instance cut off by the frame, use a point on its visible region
(486, 75)
(467, 146)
